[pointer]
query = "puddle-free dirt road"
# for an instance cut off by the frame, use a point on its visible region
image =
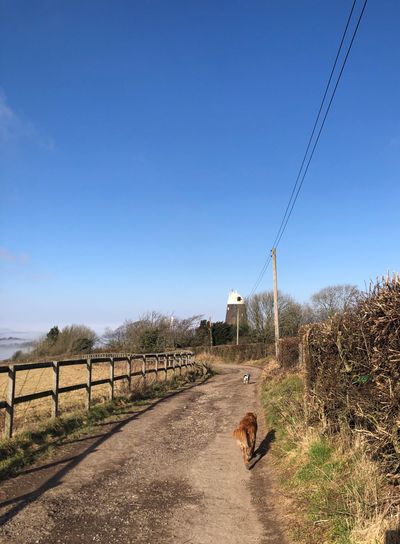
(172, 474)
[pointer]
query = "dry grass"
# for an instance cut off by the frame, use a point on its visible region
(371, 501)
(213, 359)
(340, 495)
(231, 353)
(36, 380)
(209, 358)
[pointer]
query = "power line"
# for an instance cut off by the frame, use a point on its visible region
(316, 120)
(322, 124)
(297, 186)
(260, 276)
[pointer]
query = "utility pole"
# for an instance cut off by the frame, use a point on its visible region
(276, 316)
(237, 324)
(171, 328)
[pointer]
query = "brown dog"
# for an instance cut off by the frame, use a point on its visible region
(245, 435)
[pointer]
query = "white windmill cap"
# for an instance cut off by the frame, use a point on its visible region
(235, 298)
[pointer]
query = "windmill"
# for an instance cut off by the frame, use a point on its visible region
(235, 311)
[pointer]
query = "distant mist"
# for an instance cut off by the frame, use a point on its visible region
(12, 340)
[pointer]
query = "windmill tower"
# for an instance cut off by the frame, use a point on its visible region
(235, 309)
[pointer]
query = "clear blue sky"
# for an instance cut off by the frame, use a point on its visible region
(148, 149)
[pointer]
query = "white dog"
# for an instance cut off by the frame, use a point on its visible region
(246, 378)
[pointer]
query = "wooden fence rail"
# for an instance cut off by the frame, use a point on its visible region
(163, 362)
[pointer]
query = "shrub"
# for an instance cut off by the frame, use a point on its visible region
(288, 352)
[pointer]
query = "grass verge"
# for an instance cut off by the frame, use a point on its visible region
(211, 359)
(29, 446)
(338, 494)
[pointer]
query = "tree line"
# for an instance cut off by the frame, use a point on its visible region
(156, 332)
(292, 315)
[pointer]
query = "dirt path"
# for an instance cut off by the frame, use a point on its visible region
(172, 474)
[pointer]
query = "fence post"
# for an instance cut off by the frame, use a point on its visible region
(180, 361)
(129, 372)
(173, 363)
(10, 402)
(157, 359)
(54, 396)
(166, 366)
(88, 383)
(112, 378)
(186, 363)
(144, 370)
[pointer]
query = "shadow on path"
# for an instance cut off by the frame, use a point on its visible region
(23, 500)
(262, 449)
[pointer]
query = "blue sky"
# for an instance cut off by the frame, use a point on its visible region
(148, 149)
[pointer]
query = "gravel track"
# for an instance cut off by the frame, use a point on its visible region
(171, 474)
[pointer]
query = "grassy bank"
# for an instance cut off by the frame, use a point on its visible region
(214, 359)
(32, 445)
(338, 494)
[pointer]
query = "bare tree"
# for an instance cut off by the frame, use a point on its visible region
(153, 331)
(333, 299)
(308, 314)
(185, 330)
(260, 315)
(291, 316)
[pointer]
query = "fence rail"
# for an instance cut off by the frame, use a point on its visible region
(163, 362)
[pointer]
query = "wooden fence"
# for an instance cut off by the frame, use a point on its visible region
(160, 362)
